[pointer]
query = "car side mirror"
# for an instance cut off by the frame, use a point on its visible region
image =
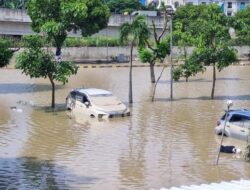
(87, 104)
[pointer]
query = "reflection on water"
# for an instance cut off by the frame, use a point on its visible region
(161, 144)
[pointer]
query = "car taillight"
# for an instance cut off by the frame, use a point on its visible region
(218, 123)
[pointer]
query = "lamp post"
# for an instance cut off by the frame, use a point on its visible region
(229, 104)
(170, 13)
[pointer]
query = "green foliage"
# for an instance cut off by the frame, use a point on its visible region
(5, 52)
(177, 73)
(137, 32)
(243, 25)
(92, 42)
(121, 6)
(56, 18)
(146, 55)
(11, 4)
(205, 27)
(36, 62)
(162, 49)
(191, 67)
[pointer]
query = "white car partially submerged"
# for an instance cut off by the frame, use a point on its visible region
(95, 103)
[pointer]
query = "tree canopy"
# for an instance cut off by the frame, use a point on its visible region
(39, 63)
(5, 52)
(243, 29)
(121, 6)
(56, 18)
(12, 4)
(208, 31)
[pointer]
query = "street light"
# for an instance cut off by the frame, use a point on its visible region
(229, 104)
(170, 13)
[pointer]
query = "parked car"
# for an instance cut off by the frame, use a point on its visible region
(95, 103)
(237, 126)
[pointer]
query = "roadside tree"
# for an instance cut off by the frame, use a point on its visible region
(5, 52)
(135, 33)
(56, 18)
(243, 27)
(39, 63)
(11, 4)
(210, 29)
(122, 6)
(156, 51)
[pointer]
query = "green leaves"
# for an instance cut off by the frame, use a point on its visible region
(5, 52)
(55, 18)
(36, 62)
(146, 55)
(121, 6)
(137, 32)
(243, 25)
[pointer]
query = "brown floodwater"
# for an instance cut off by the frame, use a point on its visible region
(162, 144)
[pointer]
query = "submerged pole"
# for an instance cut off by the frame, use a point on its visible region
(229, 104)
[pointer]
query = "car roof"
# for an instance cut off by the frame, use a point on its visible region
(240, 111)
(93, 91)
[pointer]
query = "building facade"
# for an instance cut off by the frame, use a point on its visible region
(229, 7)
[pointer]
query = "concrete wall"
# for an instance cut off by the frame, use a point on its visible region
(89, 54)
(17, 22)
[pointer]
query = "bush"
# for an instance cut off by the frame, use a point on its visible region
(91, 42)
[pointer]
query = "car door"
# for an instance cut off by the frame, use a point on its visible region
(244, 132)
(237, 127)
(81, 106)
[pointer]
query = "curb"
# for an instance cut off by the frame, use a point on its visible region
(112, 66)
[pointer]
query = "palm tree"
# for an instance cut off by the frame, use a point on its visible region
(135, 33)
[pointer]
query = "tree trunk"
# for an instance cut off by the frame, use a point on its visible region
(185, 59)
(214, 79)
(152, 72)
(154, 89)
(130, 75)
(53, 91)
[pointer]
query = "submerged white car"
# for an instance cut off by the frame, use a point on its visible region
(95, 103)
(237, 126)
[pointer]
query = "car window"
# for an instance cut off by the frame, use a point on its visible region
(73, 94)
(236, 118)
(85, 99)
(223, 117)
(79, 97)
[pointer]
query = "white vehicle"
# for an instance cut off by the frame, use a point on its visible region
(95, 103)
(237, 126)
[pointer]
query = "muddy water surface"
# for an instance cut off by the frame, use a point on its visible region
(162, 144)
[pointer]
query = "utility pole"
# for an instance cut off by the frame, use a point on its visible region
(171, 62)
(170, 13)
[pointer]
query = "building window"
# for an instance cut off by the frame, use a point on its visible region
(229, 5)
(229, 13)
(242, 5)
(203, 3)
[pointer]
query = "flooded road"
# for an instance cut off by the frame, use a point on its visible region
(162, 144)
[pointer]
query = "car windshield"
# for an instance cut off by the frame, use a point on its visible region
(104, 99)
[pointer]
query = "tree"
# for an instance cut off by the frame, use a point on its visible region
(57, 17)
(121, 6)
(150, 53)
(243, 26)
(5, 52)
(209, 28)
(37, 63)
(135, 33)
(11, 4)
(183, 37)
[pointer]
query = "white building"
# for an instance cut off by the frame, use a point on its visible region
(230, 7)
